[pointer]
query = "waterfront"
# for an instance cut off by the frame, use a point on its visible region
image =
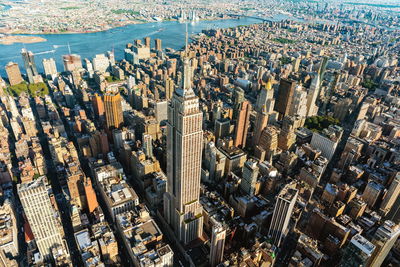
(88, 45)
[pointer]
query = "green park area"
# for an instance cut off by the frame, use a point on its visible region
(284, 40)
(37, 89)
(318, 123)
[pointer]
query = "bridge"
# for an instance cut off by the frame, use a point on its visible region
(258, 18)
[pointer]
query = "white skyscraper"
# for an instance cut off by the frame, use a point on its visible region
(182, 209)
(217, 244)
(49, 66)
(43, 219)
(299, 102)
(101, 63)
(312, 96)
(282, 212)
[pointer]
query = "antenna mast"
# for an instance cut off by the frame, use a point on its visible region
(186, 40)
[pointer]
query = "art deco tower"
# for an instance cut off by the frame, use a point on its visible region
(182, 209)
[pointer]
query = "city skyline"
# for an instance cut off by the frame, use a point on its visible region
(256, 133)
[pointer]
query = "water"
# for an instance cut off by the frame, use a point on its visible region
(87, 45)
(4, 7)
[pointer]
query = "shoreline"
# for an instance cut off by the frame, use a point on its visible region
(16, 33)
(23, 39)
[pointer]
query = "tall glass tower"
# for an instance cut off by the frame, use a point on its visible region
(29, 64)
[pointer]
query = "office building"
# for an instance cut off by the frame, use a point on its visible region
(43, 219)
(372, 192)
(169, 85)
(285, 96)
(214, 162)
(383, 239)
(98, 106)
(158, 44)
(357, 253)
(268, 141)
(147, 41)
(161, 110)
(312, 96)
(13, 73)
(113, 110)
(101, 63)
(50, 68)
(182, 209)
(217, 244)
(72, 62)
(249, 177)
(30, 65)
(282, 212)
(222, 128)
(327, 140)
(143, 239)
(260, 124)
(141, 51)
(391, 195)
(265, 98)
(242, 124)
(115, 192)
(298, 106)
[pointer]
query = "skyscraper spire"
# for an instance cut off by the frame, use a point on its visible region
(186, 41)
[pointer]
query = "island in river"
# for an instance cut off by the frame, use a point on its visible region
(25, 39)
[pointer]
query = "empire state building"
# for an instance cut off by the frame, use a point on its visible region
(182, 209)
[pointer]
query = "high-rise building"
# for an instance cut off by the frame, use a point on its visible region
(249, 177)
(49, 66)
(87, 64)
(357, 253)
(147, 145)
(298, 106)
(282, 212)
(182, 209)
(13, 73)
(266, 98)
(29, 64)
(222, 128)
(147, 41)
(217, 244)
(327, 140)
(383, 239)
(43, 219)
(285, 96)
(113, 110)
(158, 44)
(312, 96)
(141, 51)
(268, 141)
(260, 124)
(111, 57)
(98, 106)
(242, 124)
(72, 62)
(169, 88)
(214, 162)
(372, 192)
(101, 63)
(392, 195)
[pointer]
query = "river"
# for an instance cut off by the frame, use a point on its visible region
(87, 45)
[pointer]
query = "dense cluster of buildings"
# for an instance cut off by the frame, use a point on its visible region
(271, 144)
